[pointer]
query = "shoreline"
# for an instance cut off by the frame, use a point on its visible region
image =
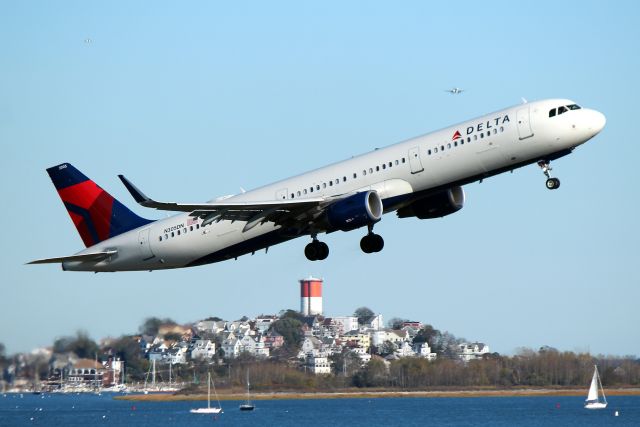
(525, 392)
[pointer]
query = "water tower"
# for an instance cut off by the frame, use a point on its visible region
(311, 297)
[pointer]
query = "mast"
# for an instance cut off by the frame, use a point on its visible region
(208, 390)
(600, 383)
(248, 401)
(153, 378)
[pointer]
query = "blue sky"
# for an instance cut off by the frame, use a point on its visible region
(195, 100)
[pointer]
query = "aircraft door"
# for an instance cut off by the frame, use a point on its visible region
(524, 123)
(145, 244)
(414, 160)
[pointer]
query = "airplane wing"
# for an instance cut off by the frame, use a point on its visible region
(279, 212)
(94, 256)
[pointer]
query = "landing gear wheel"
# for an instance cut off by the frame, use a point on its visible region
(316, 251)
(553, 183)
(371, 243)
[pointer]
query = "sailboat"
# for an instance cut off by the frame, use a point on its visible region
(593, 401)
(247, 405)
(209, 409)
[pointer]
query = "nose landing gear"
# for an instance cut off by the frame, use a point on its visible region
(552, 183)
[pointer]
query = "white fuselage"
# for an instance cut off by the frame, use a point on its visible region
(490, 144)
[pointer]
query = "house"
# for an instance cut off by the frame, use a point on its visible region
(273, 340)
(85, 374)
(202, 349)
(471, 351)
(423, 350)
(318, 364)
(344, 324)
(231, 347)
(263, 323)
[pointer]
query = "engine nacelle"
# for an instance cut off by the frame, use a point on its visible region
(355, 211)
(435, 206)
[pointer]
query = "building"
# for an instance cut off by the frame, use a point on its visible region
(471, 351)
(311, 297)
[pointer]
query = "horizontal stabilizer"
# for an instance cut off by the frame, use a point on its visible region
(94, 256)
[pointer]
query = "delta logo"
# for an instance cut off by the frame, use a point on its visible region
(456, 135)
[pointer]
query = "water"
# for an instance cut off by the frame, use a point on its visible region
(90, 410)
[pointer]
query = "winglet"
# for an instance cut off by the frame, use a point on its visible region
(138, 195)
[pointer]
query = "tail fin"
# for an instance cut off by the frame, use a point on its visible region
(95, 213)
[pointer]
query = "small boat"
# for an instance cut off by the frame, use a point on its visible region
(209, 409)
(247, 405)
(593, 400)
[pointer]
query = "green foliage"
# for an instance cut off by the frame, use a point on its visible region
(151, 325)
(364, 315)
(374, 374)
(127, 349)
(83, 346)
(289, 328)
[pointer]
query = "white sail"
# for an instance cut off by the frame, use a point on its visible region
(593, 390)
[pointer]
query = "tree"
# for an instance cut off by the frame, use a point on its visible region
(387, 347)
(151, 325)
(82, 345)
(364, 315)
(289, 328)
(127, 349)
(429, 335)
(396, 323)
(374, 374)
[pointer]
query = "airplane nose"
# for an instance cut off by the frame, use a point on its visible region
(597, 120)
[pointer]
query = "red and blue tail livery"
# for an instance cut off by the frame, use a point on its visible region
(95, 213)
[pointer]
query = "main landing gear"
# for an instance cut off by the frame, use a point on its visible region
(371, 242)
(552, 183)
(316, 250)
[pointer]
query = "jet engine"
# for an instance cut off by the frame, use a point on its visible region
(436, 205)
(355, 211)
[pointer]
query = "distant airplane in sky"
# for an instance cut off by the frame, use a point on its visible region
(420, 177)
(455, 90)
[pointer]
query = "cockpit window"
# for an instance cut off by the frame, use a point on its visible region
(562, 110)
(573, 107)
(552, 112)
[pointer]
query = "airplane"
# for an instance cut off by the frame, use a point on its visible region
(420, 177)
(455, 90)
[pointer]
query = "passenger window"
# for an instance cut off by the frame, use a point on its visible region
(178, 232)
(370, 170)
(501, 129)
(475, 137)
(429, 152)
(403, 160)
(344, 179)
(377, 168)
(292, 195)
(337, 181)
(435, 150)
(495, 131)
(298, 193)
(552, 112)
(318, 187)
(173, 234)
(191, 228)
(481, 134)
(468, 139)
(324, 185)
(364, 172)
(442, 148)
(166, 236)
(310, 189)
(397, 163)
(304, 191)
(355, 175)
(449, 145)
(455, 143)
(384, 166)
(390, 164)
(330, 183)
(160, 238)
(197, 226)
(462, 141)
